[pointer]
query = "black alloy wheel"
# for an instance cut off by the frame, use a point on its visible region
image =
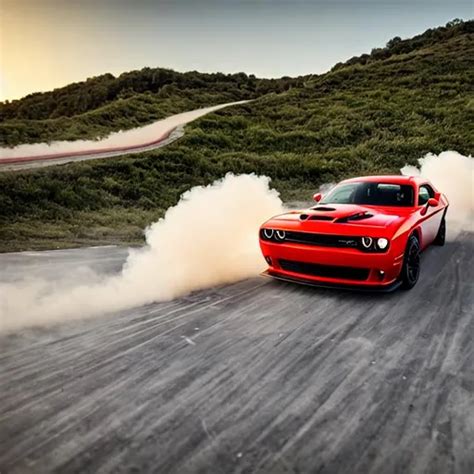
(411, 264)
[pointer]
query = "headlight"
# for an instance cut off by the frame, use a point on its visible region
(367, 242)
(268, 233)
(280, 234)
(382, 243)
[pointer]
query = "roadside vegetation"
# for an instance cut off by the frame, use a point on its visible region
(370, 115)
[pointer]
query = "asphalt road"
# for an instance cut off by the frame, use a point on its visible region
(257, 376)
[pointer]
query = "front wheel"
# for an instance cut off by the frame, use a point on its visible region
(411, 264)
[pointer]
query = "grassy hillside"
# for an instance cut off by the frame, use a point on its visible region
(371, 115)
(103, 104)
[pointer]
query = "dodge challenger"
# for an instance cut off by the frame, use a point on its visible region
(366, 232)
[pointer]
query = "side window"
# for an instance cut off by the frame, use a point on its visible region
(424, 194)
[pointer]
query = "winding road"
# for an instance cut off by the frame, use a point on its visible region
(256, 376)
(149, 137)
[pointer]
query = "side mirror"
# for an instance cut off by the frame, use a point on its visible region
(317, 197)
(432, 202)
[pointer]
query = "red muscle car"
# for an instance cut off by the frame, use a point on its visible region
(366, 232)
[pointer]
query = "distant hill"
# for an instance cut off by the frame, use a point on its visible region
(398, 46)
(372, 114)
(103, 104)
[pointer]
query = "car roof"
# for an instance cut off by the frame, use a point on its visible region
(389, 179)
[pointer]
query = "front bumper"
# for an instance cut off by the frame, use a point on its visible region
(330, 266)
(339, 286)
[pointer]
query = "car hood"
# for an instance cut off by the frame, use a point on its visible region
(344, 214)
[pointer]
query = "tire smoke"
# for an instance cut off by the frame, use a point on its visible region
(210, 237)
(453, 175)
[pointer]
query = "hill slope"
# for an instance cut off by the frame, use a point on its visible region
(105, 104)
(371, 115)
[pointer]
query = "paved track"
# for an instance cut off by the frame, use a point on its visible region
(258, 376)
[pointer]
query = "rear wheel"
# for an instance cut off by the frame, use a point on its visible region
(411, 264)
(441, 235)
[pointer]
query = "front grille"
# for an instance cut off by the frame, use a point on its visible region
(324, 240)
(328, 271)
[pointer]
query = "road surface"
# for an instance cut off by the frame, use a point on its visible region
(256, 376)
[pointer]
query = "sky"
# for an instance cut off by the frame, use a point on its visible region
(50, 43)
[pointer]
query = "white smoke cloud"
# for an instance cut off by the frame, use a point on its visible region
(129, 138)
(210, 237)
(453, 175)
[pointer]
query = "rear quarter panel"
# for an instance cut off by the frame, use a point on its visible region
(429, 219)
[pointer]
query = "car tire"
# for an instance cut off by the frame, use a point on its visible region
(411, 263)
(441, 235)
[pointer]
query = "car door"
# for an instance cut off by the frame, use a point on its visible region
(430, 216)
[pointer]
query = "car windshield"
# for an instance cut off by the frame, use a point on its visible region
(371, 193)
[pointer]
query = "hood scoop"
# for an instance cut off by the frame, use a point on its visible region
(305, 217)
(359, 216)
(323, 209)
(313, 217)
(321, 218)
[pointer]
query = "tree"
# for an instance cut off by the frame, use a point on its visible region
(393, 42)
(456, 21)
